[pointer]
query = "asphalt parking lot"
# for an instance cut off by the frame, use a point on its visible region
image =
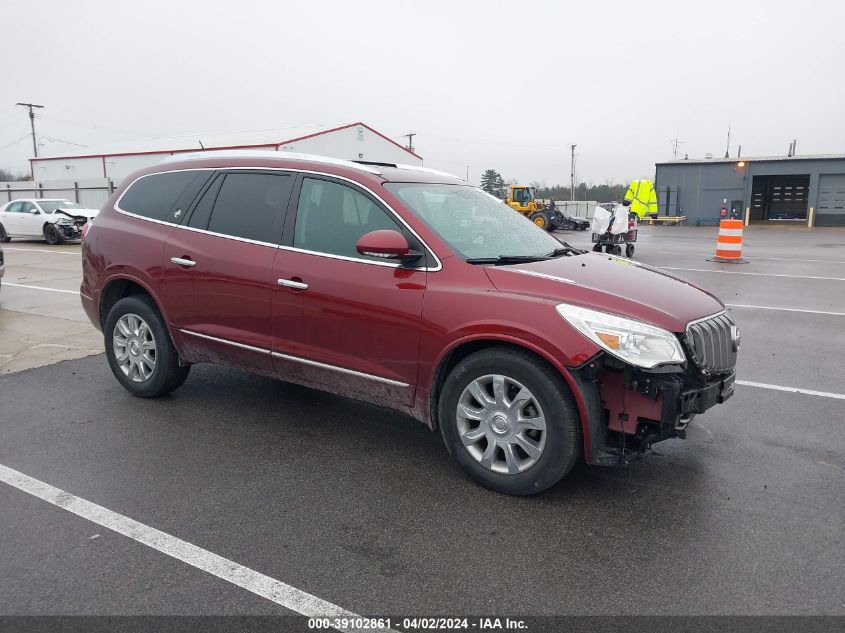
(361, 507)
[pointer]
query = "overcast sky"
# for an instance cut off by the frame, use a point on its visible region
(503, 85)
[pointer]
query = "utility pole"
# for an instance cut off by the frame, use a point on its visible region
(728, 146)
(32, 123)
(410, 136)
(572, 171)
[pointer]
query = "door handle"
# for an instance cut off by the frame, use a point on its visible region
(290, 283)
(183, 261)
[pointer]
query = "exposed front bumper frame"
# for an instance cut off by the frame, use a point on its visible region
(629, 409)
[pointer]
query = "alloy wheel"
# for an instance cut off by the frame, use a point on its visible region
(134, 347)
(501, 424)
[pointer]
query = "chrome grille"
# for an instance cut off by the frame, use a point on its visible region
(712, 345)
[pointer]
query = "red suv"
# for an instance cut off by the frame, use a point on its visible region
(408, 288)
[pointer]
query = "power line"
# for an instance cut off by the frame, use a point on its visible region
(61, 140)
(14, 142)
(30, 106)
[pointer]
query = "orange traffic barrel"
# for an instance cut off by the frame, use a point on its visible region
(729, 243)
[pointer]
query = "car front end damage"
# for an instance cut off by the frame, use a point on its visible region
(70, 226)
(630, 408)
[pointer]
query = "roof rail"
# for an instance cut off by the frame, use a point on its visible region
(269, 153)
(426, 170)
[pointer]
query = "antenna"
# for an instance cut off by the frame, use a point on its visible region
(676, 145)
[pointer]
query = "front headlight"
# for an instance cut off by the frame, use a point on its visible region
(632, 341)
(64, 222)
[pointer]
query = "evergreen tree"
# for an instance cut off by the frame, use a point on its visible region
(492, 182)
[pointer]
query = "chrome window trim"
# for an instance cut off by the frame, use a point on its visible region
(430, 269)
(298, 359)
(374, 262)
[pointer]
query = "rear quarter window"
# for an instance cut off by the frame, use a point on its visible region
(162, 196)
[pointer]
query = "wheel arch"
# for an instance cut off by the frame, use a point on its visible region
(119, 287)
(463, 348)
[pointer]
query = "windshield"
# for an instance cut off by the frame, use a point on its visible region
(474, 223)
(49, 206)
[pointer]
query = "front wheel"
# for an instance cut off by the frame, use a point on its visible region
(139, 349)
(52, 235)
(629, 250)
(541, 219)
(509, 421)
(4, 237)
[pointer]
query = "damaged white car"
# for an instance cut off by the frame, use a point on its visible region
(55, 220)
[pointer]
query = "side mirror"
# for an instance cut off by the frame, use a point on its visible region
(626, 203)
(386, 244)
(34, 211)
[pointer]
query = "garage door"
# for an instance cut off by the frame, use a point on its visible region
(831, 208)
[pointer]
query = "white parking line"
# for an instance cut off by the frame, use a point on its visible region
(809, 392)
(736, 272)
(39, 250)
(230, 571)
(779, 259)
(742, 305)
(71, 292)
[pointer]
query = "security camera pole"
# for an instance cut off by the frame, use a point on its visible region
(32, 123)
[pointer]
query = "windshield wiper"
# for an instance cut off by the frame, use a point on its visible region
(566, 249)
(507, 259)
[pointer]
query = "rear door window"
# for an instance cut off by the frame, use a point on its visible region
(163, 196)
(250, 206)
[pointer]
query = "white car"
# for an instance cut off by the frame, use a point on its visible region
(56, 219)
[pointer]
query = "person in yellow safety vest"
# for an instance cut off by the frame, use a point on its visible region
(643, 198)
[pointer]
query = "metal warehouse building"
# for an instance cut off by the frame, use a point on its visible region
(800, 189)
(353, 141)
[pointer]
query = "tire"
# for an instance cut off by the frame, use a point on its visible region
(541, 219)
(522, 473)
(166, 374)
(597, 248)
(52, 235)
(629, 250)
(4, 237)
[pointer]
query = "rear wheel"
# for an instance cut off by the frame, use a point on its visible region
(509, 421)
(52, 235)
(139, 349)
(597, 248)
(541, 219)
(629, 250)
(4, 237)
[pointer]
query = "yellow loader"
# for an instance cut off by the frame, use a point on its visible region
(522, 199)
